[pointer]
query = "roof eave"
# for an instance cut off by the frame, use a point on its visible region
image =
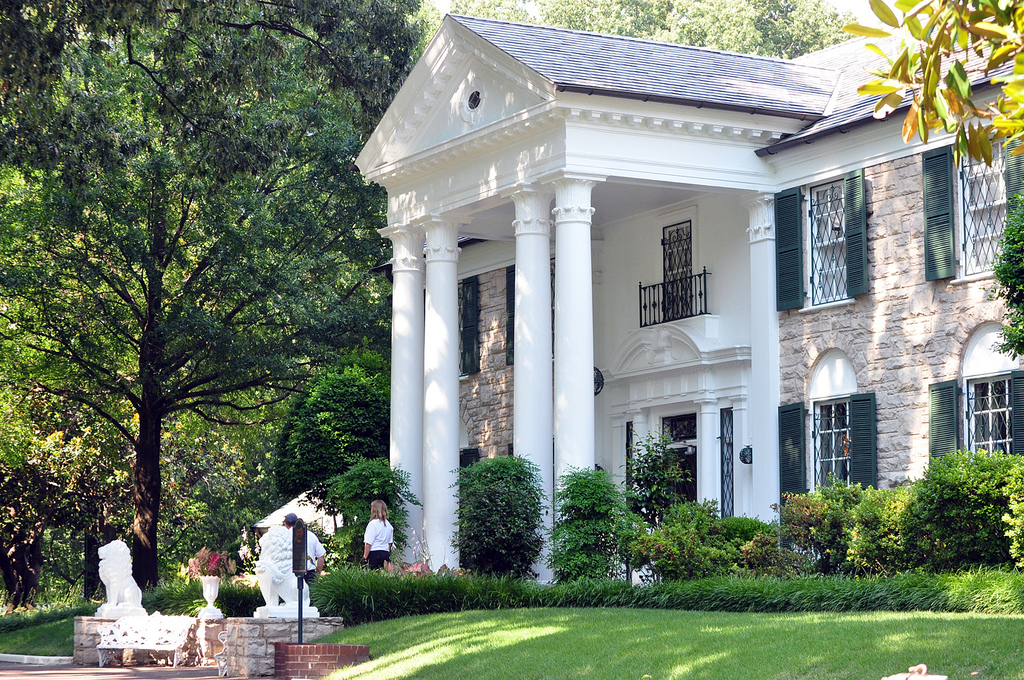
(683, 101)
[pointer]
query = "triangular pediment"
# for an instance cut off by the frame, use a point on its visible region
(462, 83)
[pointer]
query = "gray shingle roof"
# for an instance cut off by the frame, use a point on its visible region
(642, 69)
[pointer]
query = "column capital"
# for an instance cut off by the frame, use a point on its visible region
(761, 209)
(532, 210)
(442, 239)
(572, 196)
(406, 247)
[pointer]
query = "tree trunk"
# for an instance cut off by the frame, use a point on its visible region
(21, 562)
(145, 565)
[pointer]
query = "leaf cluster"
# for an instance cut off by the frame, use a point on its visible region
(936, 51)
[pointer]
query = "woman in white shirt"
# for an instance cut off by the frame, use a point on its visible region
(379, 537)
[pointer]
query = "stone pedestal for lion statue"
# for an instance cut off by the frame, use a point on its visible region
(124, 597)
(277, 582)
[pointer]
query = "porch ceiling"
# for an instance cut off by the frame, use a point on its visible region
(613, 200)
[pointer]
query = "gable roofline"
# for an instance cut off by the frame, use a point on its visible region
(645, 70)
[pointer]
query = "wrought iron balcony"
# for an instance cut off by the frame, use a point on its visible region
(674, 300)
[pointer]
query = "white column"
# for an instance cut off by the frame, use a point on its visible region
(764, 358)
(532, 401)
(574, 326)
(709, 452)
(407, 365)
(441, 391)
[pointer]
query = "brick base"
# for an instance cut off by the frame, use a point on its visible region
(315, 660)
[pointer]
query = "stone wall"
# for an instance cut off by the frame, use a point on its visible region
(250, 642)
(903, 335)
(485, 398)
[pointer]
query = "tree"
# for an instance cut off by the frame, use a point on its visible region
(182, 229)
(342, 421)
(1009, 273)
(939, 49)
(54, 474)
(778, 28)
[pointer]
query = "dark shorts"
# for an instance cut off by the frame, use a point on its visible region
(377, 558)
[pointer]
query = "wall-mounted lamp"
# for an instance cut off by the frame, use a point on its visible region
(747, 455)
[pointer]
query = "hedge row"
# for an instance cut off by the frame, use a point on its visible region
(360, 596)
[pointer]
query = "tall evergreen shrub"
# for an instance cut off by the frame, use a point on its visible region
(498, 526)
(956, 515)
(589, 509)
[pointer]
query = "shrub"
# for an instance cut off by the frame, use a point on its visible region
(878, 538)
(762, 555)
(654, 478)
(498, 522)
(688, 545)
(589, 509)
(817, 522)
(739, 530)
(956, 513)
(185, 598)
(1015, 517)
(353, 491)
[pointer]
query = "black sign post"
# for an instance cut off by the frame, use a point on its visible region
(299, 562)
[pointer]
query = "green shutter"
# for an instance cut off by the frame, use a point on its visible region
(943, 414)
(1013, 170)
(1016, 414)
(789, 264)
(939, 251)
(792, 475)
(470, 359)
(863, 442)
(856, 210)
(510, 315)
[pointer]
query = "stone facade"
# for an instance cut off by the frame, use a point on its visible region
(901, 336)
(250, 645)
(485, 398)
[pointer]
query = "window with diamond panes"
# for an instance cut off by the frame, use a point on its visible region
(983, 197)
(831, 442)
(988, 414)
(828, 243)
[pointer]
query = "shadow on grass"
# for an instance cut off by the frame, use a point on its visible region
(624, 643)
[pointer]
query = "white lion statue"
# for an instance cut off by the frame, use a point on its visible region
(124, 597)
(277, 582)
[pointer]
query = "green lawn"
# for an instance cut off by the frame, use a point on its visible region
(48, 639)
(624, 644)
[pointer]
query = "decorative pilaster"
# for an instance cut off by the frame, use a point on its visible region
(764, 357)
(574, 325)
(407, 361)
(441, 391)
(532, 400)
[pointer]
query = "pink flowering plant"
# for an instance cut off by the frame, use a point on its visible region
(210, 563)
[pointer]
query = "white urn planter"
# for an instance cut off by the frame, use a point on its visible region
(211, 588)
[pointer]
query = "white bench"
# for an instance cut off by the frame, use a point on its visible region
(152, 633)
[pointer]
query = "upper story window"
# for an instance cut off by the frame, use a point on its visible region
(837, 242)
(983, 211)
(828, 243)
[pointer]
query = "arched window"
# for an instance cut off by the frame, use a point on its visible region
(988, 402)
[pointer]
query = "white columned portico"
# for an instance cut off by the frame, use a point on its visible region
(406, 450)
(709, 452)
(764, 358)
(574, 325)
(441, 391)
(532, 396)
